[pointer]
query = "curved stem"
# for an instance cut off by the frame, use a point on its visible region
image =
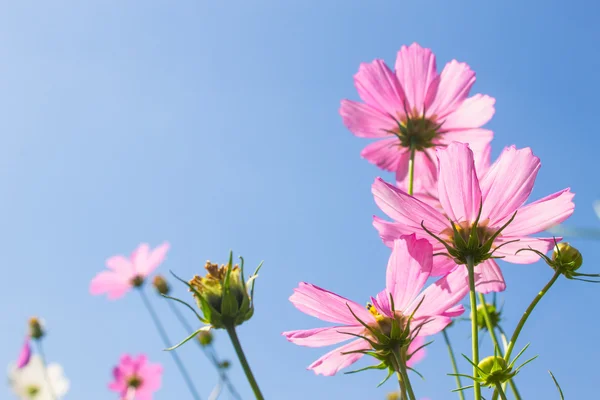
(45, 366)
(209, 351)
(411, 170)
(474, 328)
(240, 353)
(454, 366)
(167, 343)
(515, 336)
(499, 389)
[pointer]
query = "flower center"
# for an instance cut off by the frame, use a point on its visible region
(137, 281)
(134, 382)
(418, 133)
(385, 324)
(32, 391)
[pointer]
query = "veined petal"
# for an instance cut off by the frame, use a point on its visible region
(406, 209)
(378, 87)
(334, 361)
(442, 265)
(456, 80)
(488, 277)
(509, 250)
(327, 306)
(387, 154)
(542, 214)
(420, 354)
(365, 121)
(320, 337)
(417, 73)
(408, 268)
(431, 325)
(458, 186)
(425, 174)
(478, 140)
(474, 112)
(441, 295)
(508, 184)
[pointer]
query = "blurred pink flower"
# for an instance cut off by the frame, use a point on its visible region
(136, 377)
(24, 354)
(437, 106)
(408, 269)
(500, 192)
(125, 273)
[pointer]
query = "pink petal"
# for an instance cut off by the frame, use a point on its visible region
(455, 83)
(417, 73)
(154, 259)
(378, 87)
(407, 210)
(441, 264)
(334, 361)
(365, 121)
(474, 112)
(509, 250)
(455, 311)
(24, 354)
(420, 354)
(508, 183)
(458, 187)
(152, 376)
(479, 142)
(482, 159)
(140, 254)
(430, 325)
(542, 214)
(386, 154)
(441, 295)
(425, 174)
(327, 306)
(114, 285)
(382, 303)
(320, 337)
(488, 277)
(408, 268)
(120, 265)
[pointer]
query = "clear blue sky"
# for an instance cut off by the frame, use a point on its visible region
(215, 125)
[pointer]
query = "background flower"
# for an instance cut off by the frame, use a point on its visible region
(138, 375)
(30, 382)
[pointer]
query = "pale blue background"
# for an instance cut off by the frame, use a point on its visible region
(215, 125)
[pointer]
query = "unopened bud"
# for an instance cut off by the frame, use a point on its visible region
(224, 364)
(494, 370)
(205, 338)
(492, 314)
(161, 285)
(36, 331)
(567, 256)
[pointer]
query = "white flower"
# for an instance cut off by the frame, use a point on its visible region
(30, 383)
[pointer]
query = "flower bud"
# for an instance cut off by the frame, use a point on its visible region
(494, 370)
(36, 331)
(224, 364)
(222, 294)
(205, 338)
(492, 313)
(567, 256)
(161, 285)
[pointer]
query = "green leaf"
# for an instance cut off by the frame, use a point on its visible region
(187, 339)
(562, 396)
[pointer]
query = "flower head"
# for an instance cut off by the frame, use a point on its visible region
(125, 273)
(36, 328)
(30, 382)
(135, 376)
(400, 316)
(414, 106)
(481, 217)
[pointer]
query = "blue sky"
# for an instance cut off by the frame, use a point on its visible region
(215, 125)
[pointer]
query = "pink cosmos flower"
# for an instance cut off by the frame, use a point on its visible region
(24, 354)
(414, 104)
(136, 378)
(408, 268)
(125, 273)
(501, 191)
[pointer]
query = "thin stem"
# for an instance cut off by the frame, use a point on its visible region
(474, 328)
(240, 353)
(514, 389)
(411, 170)
(454, 366)
(396, 361)
(499, 389)
(167, 343)
(45, 366)
(409, 388)
(209, 351)
(515, 336)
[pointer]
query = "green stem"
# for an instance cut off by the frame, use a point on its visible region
(246, 367)
(209, 351)
(167, 343)
(411, 170)
(396, 361)
(514, 389)
(474, 328)
(515, 336)
(45, 366)
(454, 366)
(404, 372)
(499, 389)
